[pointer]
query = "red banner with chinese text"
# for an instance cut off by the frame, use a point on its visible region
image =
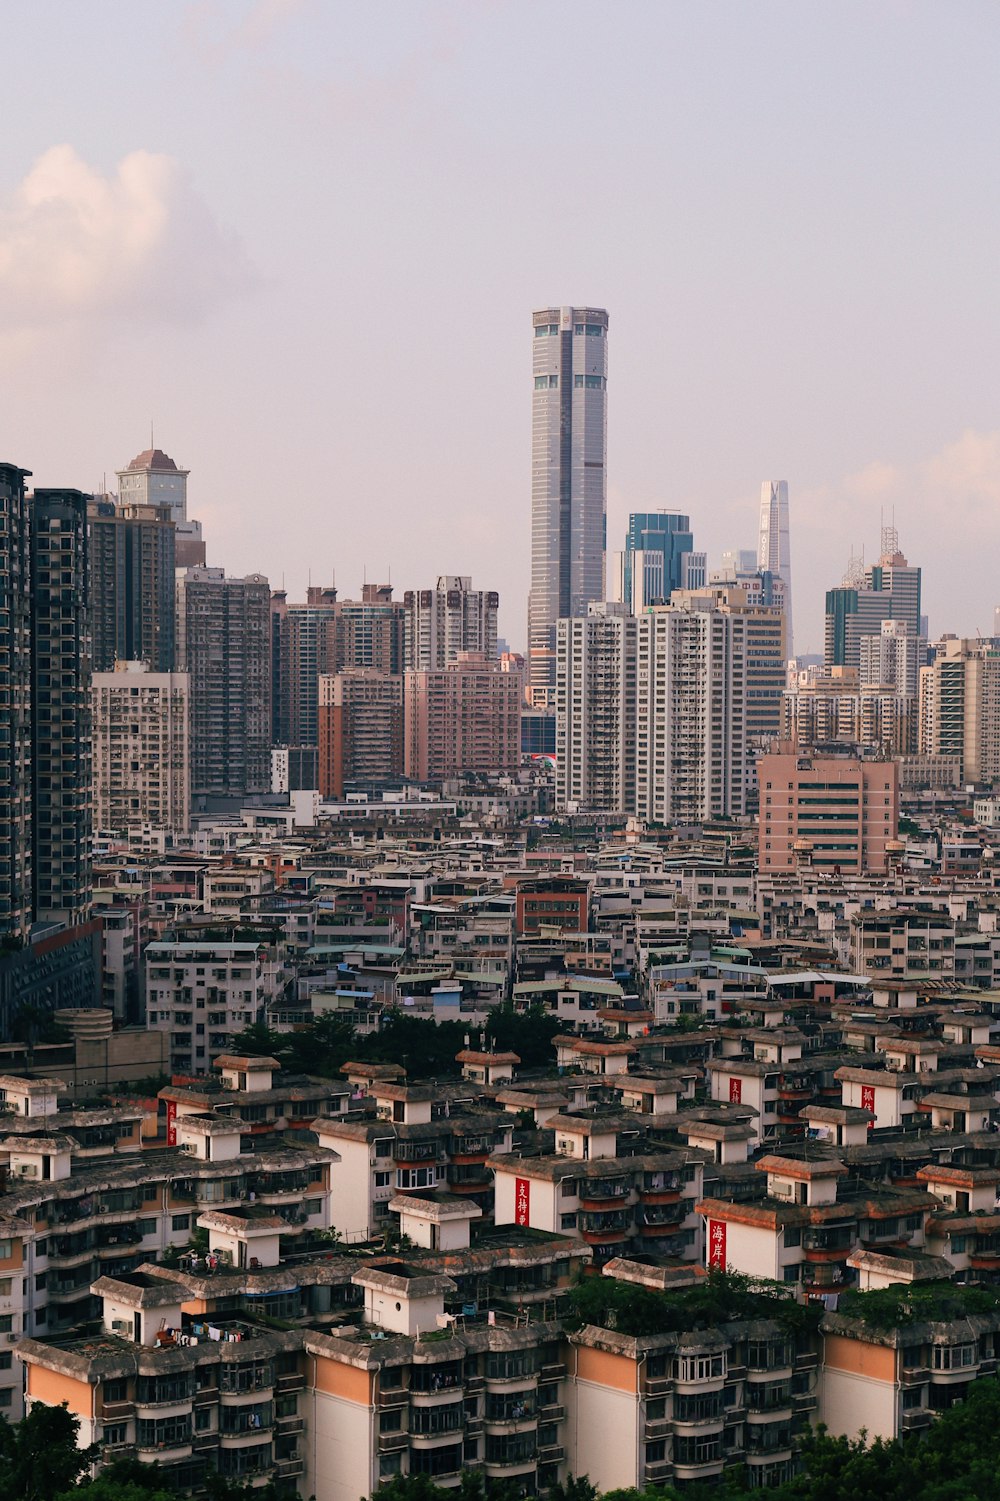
(736, 1091)
(522, 1200)
(717, 1244)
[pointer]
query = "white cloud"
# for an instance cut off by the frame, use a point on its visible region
(946, 509)
(138, 244)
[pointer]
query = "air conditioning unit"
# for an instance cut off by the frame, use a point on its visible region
(13, 1338)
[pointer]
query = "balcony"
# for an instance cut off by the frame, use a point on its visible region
(915, 1419)
(554, 1371)
(287, 1468)
(391, 1443)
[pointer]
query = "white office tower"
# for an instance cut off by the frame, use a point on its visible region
(595, 710)
(773, 546)
(440, 623)
(568, 480)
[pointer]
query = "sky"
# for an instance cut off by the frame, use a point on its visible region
(301, 241)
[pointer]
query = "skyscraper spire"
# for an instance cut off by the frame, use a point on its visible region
(773, 547)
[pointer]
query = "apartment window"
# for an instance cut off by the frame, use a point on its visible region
(953, 1357)
(180, 1222)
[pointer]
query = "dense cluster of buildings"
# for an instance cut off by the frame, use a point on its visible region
(754, 897)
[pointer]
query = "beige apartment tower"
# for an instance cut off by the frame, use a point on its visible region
(142, 775)
(835, 813)
(462, 718)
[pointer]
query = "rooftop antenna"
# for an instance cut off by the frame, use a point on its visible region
(151, 443)
(890, 536)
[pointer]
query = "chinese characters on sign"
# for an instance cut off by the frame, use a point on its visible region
(868, 1097)
(717, 1244)
(735, 1091)
(171, 1123)
(522, 1200)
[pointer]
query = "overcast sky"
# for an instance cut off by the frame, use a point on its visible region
(305, 237)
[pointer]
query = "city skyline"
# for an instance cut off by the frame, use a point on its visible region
(154, 238)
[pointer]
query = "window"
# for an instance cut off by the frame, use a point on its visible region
(953, 1357)
(567, 1222)
(382, 1180)
(115, 1433)
(116, 1390)
(699, 1367)
(180, 1222)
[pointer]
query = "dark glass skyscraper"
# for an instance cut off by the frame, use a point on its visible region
(653, 562)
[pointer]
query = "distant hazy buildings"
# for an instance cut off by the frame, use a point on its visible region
(223, 643)
(141, 740)
(462, 718)
(153, 479)
(595, 710)
(447, 620)
(891, 590)
(774, 554)
(568, 479)
(657, 546)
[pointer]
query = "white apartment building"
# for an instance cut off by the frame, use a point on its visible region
(691, 693)
(205, 993)
(141, 762)
(595, 710)
(449, 619)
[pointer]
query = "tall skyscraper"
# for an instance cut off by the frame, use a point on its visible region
(16, 826)
(960, 707)
(62, 783)
(568, 479)
(773, 547)
(447, 620)
(132, 593)
(224, 644)
(652, 564)
(153, 479)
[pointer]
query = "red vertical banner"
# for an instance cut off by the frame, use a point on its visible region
(736, 1091)
(171, 1123)
(717, 1244)
(868, 1097)
(522, 1200)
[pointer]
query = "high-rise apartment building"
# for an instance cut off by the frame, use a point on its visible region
(462, 718)
(141, 742)
(838, 813)
(449, 619)
(595, 710)
(303, 647)
(224, 644)
(653, 711)
(568, 479)
(893, 657)
(652, 564)
(371, 631)
(16, 824)
(960, 707)
(62, 787)
(153, 479)
(360, 729)
(132, 592)
(774, 554)
(691, 716)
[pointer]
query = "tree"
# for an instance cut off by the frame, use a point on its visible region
(39, 1457)
(258, 1041)
(123, 1480)
(573, 1488)
(527, 1033)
